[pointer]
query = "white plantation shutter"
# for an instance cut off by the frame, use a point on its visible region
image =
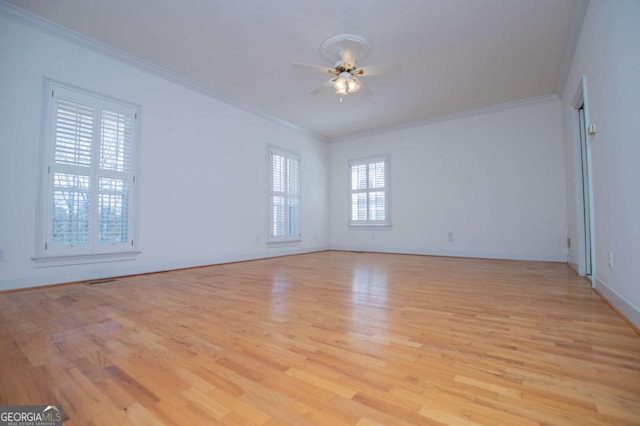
(74, 132)
(73, 121)
(71, 216)
(285, 196)
(116, 139)
(89, 164)
(369, 192)
(115, 174)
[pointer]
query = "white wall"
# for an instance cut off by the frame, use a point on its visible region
(202, 172)
(608, 55)
(494, 179)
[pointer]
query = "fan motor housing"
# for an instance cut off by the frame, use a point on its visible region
(345, 68)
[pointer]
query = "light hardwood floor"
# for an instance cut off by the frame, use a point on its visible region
(325, 338)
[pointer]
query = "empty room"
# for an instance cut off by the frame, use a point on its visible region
(354, 212)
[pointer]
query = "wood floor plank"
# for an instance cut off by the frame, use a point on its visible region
(325, 338)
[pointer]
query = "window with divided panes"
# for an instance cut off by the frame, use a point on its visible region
(285, 196)
(87, 201)
(369, 191)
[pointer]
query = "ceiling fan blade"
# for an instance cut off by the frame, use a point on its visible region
(349, 52)
(379, 69)
(365, 89)
(321, 89)
(315, 68)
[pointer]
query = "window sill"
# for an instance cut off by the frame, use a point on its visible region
(44, 262)
(282, 243)
(369, 225)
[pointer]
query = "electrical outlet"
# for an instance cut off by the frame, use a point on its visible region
(450, 236)
(611, 259)
(474, 239)
(568, 242)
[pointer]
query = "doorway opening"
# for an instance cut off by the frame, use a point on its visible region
(584, 208)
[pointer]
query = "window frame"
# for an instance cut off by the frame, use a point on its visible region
(289, 155)
(46, 253)
(369, 223)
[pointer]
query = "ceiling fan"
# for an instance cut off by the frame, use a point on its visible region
(344, 51)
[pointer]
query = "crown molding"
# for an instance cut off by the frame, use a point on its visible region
(39, 23)
(452, 116)
(577, 19)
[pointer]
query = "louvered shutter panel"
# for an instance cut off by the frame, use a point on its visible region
(74, 133)
(115, 173)
(293, 191)
(285, 196)
(71, 209)
(376, 199)
(358, 192)
(369, 192)
(70, 172)
(277, 195)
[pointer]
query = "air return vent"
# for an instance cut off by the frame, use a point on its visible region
(96, 282)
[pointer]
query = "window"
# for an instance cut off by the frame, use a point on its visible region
(87, 188)
(369, 192)
(285, 196)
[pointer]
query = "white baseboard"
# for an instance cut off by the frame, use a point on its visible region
(50, 276)
(573, 264)
(626, 308)
(548, 257)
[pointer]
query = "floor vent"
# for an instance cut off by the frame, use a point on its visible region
(100, 282)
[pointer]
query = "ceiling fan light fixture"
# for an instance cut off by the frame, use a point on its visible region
(345, 84)
(353, 85)
(341, 86)
(341, 92)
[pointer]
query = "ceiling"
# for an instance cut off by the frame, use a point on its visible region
(455, 54)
